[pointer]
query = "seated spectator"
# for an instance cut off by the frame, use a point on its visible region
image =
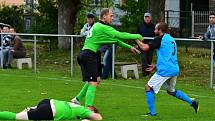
(5, 45)
(17, 49)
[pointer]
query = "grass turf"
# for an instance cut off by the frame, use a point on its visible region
(118, 100)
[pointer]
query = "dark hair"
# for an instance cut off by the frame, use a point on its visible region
(212, 13)
(163, 27)
(104, 12)
(90, 15)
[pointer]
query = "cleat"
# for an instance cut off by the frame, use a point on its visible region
(75, 100)
(195, 105)
(149, 114)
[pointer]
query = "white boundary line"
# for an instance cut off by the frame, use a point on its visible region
(119, 85)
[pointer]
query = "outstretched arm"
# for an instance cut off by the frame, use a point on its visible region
(144, 47)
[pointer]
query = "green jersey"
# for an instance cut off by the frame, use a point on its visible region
(101, 34)
(67, 110)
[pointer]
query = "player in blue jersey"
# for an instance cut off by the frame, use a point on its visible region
(167, 69)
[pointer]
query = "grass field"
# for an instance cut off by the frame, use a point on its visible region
(117, 100)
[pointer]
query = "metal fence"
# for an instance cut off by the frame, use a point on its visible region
(187, 23)
(113, 56)
(35, 46)
(200, 22)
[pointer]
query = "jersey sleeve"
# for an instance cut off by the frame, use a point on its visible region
(123, 44)
(155, 44)
(120, 35)
(84, 113)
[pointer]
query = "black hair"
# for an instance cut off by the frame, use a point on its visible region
(212, 13)
(90, 15)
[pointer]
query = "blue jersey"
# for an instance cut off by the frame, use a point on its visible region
(167, 62)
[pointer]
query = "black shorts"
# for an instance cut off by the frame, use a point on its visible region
(90, 63)
(42, 112)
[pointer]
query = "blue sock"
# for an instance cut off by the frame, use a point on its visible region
(182, 96)
(150, 96)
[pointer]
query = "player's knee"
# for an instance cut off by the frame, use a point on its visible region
(147, 87)
(171, 93)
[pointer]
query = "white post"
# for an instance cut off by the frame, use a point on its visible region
(211, 72)
(193, 24)
(35, 54)
(71, 39)
(1, 53)
(113, 61)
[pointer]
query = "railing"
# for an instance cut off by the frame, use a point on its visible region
(113, 54)
(35, 44)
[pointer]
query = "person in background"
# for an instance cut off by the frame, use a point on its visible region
(210, 34)
(86, 28)
(146, 29)
(17, 49)
(5, 46)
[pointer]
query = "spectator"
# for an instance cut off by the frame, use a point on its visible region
(5, 45)
(17, 49)
(90, 21)
(146, 29)
(210, 34)
(107, 61)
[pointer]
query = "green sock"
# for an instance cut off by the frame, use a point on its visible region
(83, 91)
(5, 115)
(90, 95)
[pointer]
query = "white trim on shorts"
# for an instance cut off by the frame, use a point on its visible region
(156, 81)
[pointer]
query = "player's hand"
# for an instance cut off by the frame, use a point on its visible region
(135, 50)
(142, 39)
(151, 67)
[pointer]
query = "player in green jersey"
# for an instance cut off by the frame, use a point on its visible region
(52, 110)
(100, 34)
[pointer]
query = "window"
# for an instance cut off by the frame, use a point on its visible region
(27, 24)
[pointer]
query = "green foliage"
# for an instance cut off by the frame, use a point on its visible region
(86, 8)
(134, 13)
(46, 19)
(12, 15)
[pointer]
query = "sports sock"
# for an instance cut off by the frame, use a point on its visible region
(90, 95)
(5, 115)
(150, 96)
(182, 96)
(83, 91)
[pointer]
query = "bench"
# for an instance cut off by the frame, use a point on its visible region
(126, 66)
(21, 61)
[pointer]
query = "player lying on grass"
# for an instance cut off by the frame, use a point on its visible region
(51, 109)
(167, 68)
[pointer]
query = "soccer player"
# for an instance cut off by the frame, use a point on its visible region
(100, 34)
(167, 69)
(52, 110)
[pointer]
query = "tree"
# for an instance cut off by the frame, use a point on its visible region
(45, 18)
(157, 8)
(71, 10)
(12, 15)
(134, 12)
(67, 10)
